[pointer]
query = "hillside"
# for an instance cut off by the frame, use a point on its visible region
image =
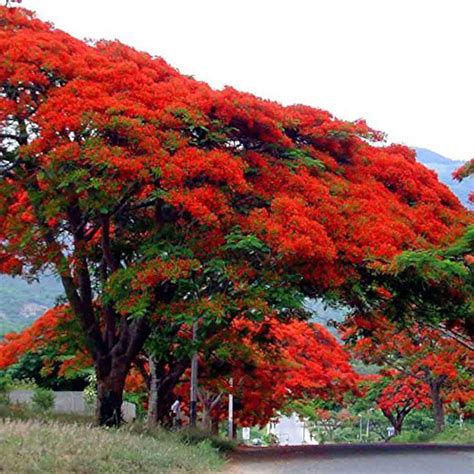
(21, 303)
(445, 167)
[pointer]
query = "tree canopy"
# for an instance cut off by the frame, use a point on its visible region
(144, 190)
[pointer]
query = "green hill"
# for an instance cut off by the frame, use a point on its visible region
(21, 302)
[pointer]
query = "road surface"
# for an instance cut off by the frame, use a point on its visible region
(354, 459)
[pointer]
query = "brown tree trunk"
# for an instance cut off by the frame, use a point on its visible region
(110, 384)
(206, 419)
(437, 402)
(215, 426)
(163, 380)
(112, 366)
(208, 401)
(396, 419)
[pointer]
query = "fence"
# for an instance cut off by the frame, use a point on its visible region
(70, 402)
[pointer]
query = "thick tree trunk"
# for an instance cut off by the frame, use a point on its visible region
(398, 427)
(110, 384)
(163, 380)
(437, 402)
(112, 366)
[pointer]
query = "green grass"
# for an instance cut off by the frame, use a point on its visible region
(451, 434)
(53, 447)
(464, 435)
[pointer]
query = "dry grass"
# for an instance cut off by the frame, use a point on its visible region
(32, 446)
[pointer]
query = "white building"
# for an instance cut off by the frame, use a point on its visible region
(290, 431)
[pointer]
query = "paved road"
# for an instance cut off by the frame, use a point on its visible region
(354, 459)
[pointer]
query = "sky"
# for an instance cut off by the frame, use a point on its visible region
(406, 66)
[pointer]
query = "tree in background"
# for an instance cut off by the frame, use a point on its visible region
(396, 395)
(298, 360)
(464, 172)
(417, 352)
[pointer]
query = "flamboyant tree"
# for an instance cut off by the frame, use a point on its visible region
(417, 352)
(396, 395)
(55, 334)
(272, 363)
(464, 172)
(128, 179)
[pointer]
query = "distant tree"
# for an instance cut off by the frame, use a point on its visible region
(396, 395)
(464, 172)
(419, 353)
(274, 363)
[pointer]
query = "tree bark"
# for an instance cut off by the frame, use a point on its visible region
(163, 380)
(437, 402)
(110, 385)
(215, 426)
(396, 419)
(208, 401)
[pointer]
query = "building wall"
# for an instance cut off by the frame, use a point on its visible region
(291, 431)
(70, 402)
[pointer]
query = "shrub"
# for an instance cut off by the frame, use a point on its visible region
(196, 436)
(43, 399)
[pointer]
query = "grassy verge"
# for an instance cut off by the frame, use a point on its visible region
(35, 441)
(34, 446)
(451, 435)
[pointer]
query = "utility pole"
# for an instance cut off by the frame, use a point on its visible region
(231, 411)
(368, 422)
(194, 380)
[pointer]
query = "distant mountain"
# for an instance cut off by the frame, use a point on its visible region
(21, 303)
(445, 167)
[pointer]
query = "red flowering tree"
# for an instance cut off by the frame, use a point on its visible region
(271, 363)
(465, 171)
(417, 353)
(128, 180)
(396, 395)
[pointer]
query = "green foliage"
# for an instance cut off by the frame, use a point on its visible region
(456, 434)
(43, 399)
(412, 437)
(451, 434)
(139, 399)
(196, 436)
(30, 369)
(435, 286)
(90, 391)
(298, 157)
(237, 241)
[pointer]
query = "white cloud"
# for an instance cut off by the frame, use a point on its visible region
(406, 66)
